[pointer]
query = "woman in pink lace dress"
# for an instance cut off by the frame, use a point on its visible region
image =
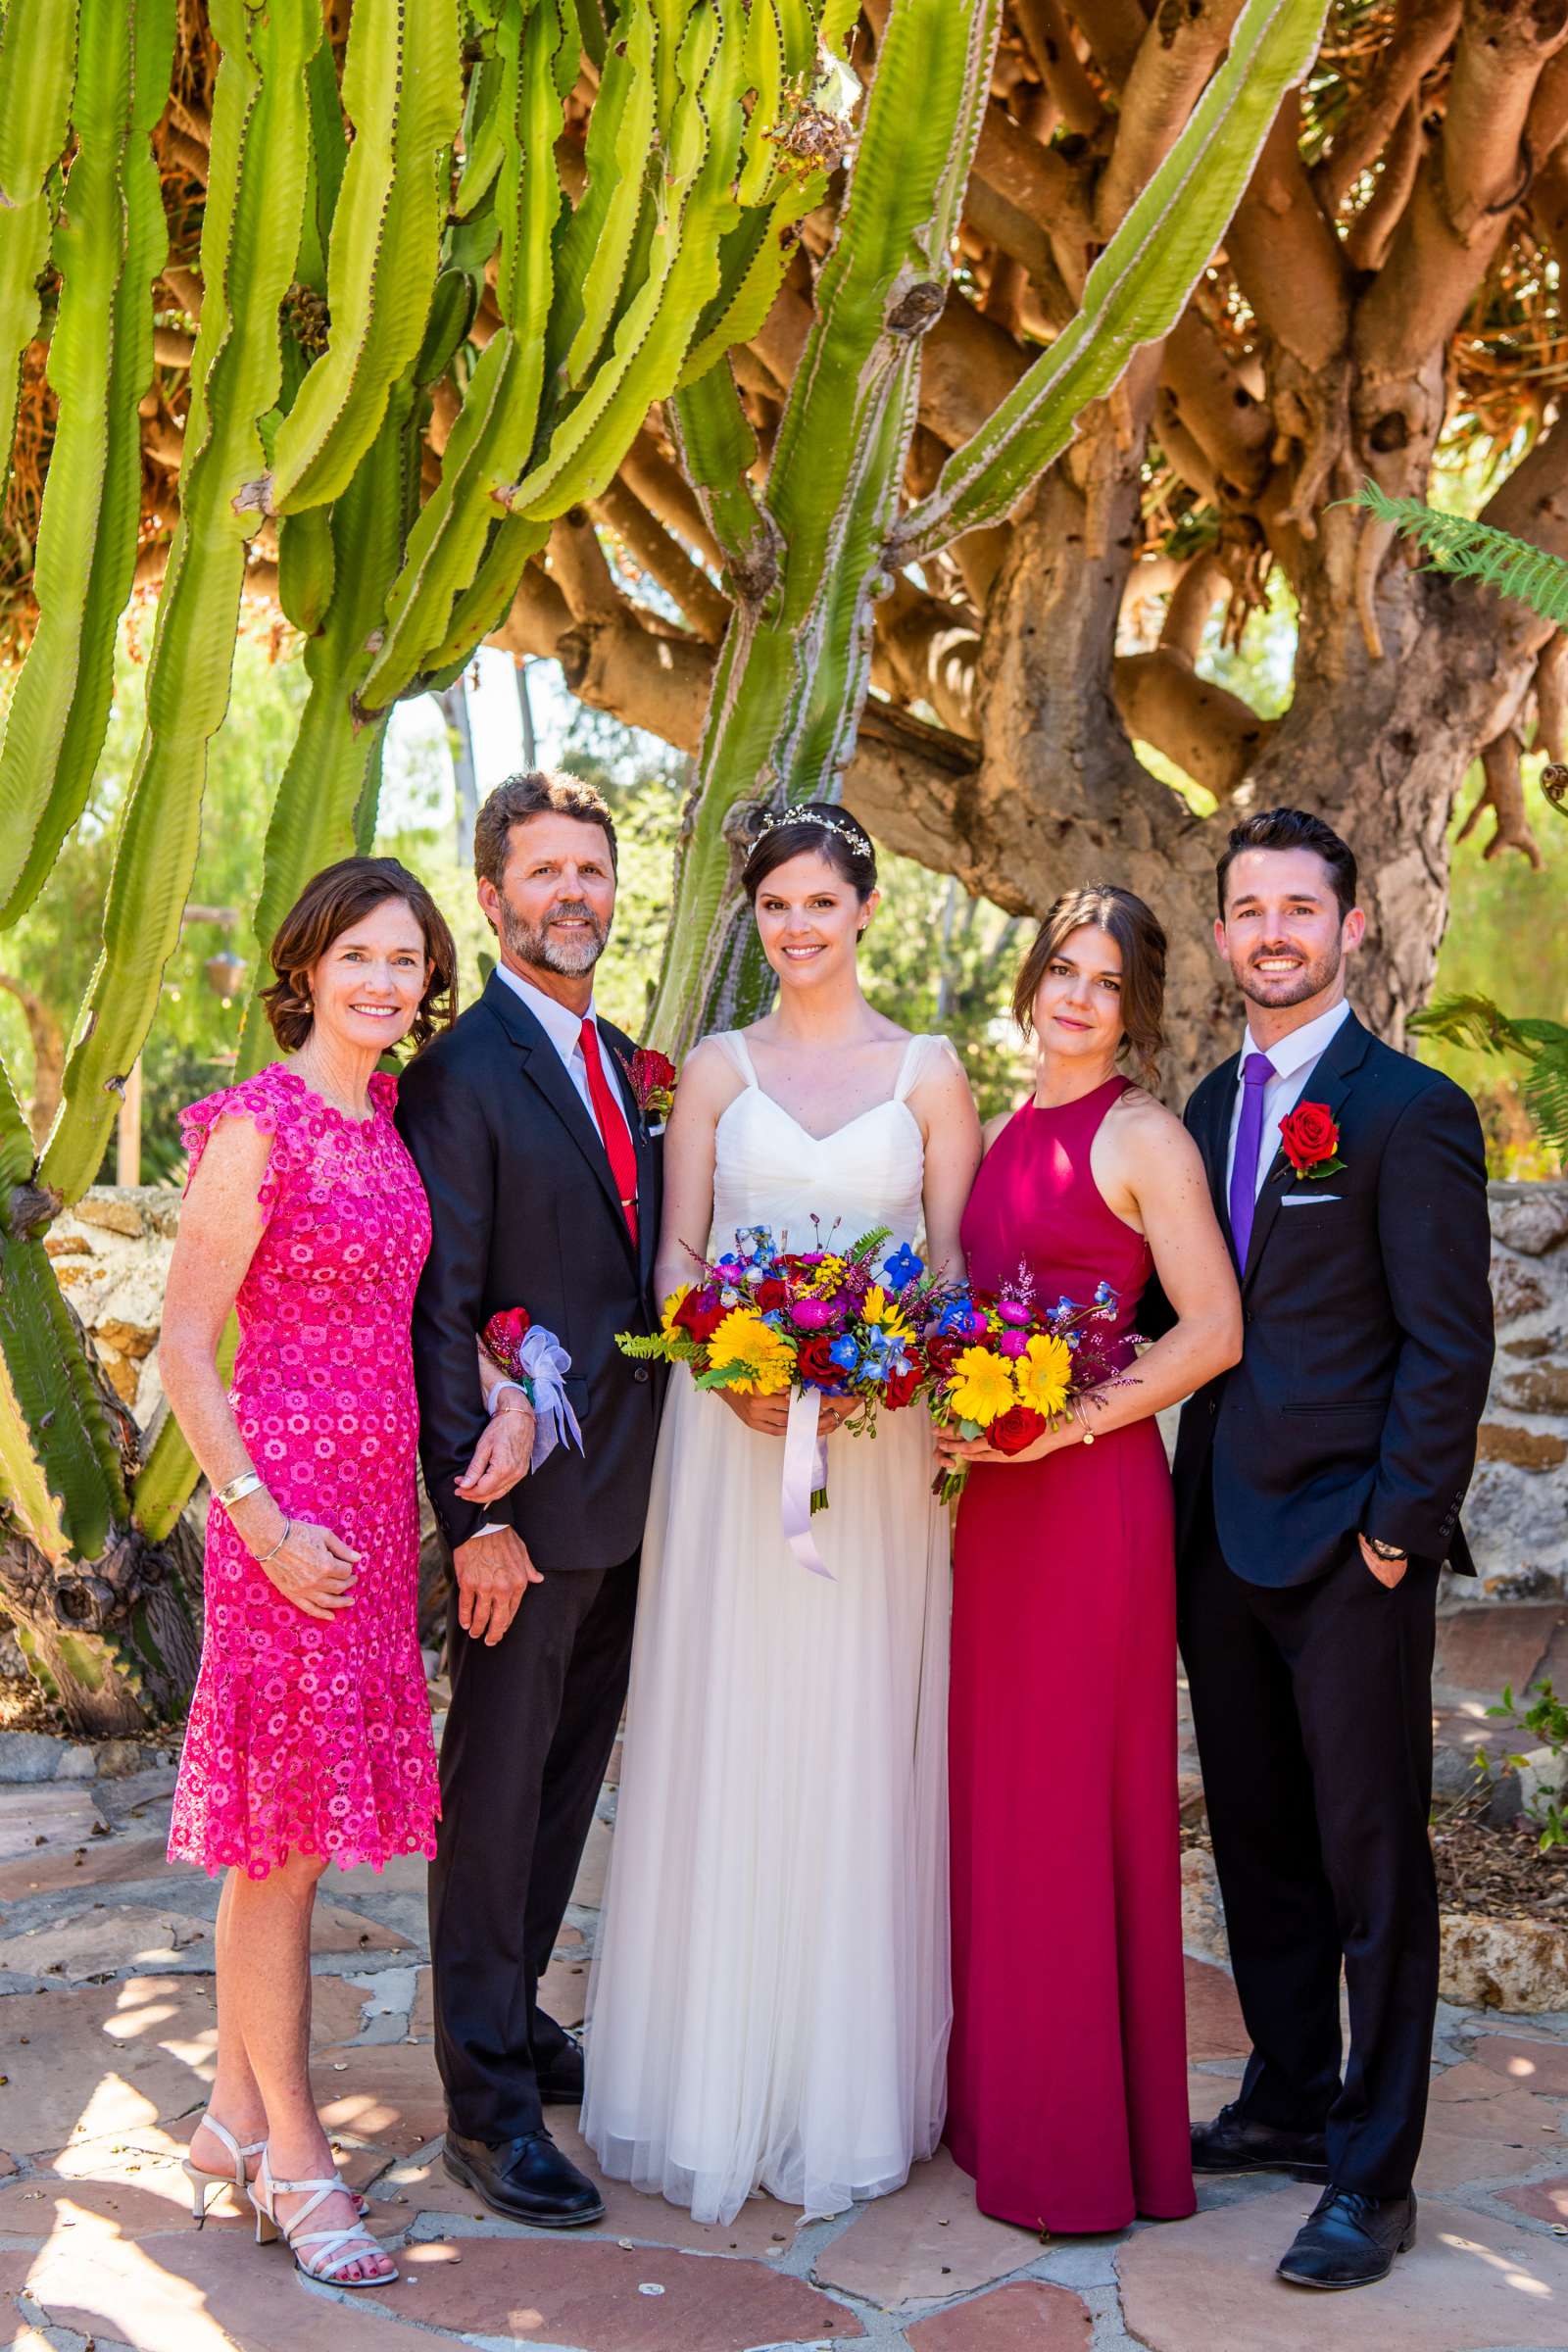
(309, 1740)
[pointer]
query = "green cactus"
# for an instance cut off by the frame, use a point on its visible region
(809, 558)
(109, 247)
(453, 270)
(37, 69)
(250, 240)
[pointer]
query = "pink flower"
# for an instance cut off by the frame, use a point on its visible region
(1013, 1342)
(812, 1315)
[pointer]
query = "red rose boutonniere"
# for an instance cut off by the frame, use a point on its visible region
(1312, 1141)
(652, 1082)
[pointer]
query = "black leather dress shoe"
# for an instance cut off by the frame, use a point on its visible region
(560, 2078)
(1233, 2144)
(527, 2180)
(1350, 2240)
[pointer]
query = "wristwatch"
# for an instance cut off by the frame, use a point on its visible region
(1385, 1551)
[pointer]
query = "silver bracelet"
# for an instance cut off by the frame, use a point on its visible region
(238, 1488)
(262, 1558)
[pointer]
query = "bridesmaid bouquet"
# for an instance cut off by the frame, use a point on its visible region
(763, 1319)
(1003, 1368)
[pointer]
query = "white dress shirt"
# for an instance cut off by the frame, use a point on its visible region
(562, 1027)
(1295, 1058)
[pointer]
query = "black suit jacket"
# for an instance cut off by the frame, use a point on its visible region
(524, 1213)
(1367, 1334)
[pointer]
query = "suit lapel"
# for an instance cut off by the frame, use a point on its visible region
(1329, 1084)
(545, 1070)
(1212, 1130)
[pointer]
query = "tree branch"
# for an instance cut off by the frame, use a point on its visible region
(1369, 235)
(1502, 48)
(706, 607)
(1422, 31)
(1174, 63)
(1047, 37)
(1114, 30)
(1286, 256)
(1231, 424)
(1211, 734)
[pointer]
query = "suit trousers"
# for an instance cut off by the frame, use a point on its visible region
(1312, 1706)
(528, 1735)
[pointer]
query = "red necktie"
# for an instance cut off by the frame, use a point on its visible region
(612, 1128)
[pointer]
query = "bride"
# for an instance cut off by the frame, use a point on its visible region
(769, 2002)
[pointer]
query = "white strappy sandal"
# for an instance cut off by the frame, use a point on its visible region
(332, 2250)
(201, 2182)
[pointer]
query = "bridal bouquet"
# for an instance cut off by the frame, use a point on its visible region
(764, 1319)
(1003, 1368)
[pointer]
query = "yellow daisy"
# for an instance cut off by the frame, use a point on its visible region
(743, 1338)
(879, 1308)
(1044, 1372)
(980, 1386)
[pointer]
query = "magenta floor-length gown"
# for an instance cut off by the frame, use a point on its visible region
(1067, 2073)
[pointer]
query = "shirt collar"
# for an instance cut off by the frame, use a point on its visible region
(559, 1023)
(1293, 1052)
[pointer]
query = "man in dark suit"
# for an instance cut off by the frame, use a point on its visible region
(543, 1182)
(1318, 1486)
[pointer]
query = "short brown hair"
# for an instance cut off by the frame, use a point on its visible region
(329, 904)
(1137, 931)
(1292, 829)
(534, 792)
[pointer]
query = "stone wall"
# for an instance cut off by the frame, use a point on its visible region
(1518, 1513)
(112, 1254)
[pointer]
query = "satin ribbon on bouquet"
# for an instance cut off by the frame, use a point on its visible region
(542, 1362)
(804, 1473)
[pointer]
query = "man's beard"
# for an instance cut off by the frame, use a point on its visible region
(1310, 981)
(571, 957)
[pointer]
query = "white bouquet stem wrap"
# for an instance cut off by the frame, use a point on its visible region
(804, 1472)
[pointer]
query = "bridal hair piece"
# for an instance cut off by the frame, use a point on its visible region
(781, 834)
(844, 826)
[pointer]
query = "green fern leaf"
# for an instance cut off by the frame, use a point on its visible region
(1476, 551)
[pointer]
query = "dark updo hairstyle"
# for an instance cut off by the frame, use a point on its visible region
(1136, 930)
(330, 903)
(813, 827)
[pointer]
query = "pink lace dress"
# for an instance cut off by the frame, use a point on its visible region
(305, 1736)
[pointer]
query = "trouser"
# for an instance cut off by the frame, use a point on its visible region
(528, 1735)
(1312, 1706)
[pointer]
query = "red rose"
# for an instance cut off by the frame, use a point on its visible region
(902, 1386)
(1015, 1430)
(815, 1365)
(1311, 1138)
(699, 1314)
(505, 1333)
(656, 1069)
(943, 1349)
(771, 1295)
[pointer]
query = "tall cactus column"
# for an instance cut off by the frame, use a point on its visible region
(807, 556)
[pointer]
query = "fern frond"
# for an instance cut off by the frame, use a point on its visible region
(1476, 551)
(1477, 1022)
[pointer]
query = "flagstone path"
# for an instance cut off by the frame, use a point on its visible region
(106, 2043)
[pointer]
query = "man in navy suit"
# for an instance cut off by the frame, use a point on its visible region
(544, 1188)
(1318, 1486)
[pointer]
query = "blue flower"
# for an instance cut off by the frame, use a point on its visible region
(1104, 1294)
(1064, 1306)
(729, 1296)
(903, 1269)
(844, 1353)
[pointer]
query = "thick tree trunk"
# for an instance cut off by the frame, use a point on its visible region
(114, 1645)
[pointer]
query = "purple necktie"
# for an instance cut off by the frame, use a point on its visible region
(1256, 1071)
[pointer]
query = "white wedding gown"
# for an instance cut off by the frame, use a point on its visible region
(770, 1997)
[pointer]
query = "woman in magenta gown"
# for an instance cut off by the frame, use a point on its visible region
(1067, 2072)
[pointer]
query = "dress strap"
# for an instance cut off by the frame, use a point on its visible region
(735, 1046)
(920, 1056)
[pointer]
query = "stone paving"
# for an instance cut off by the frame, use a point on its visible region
(107, 2029)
